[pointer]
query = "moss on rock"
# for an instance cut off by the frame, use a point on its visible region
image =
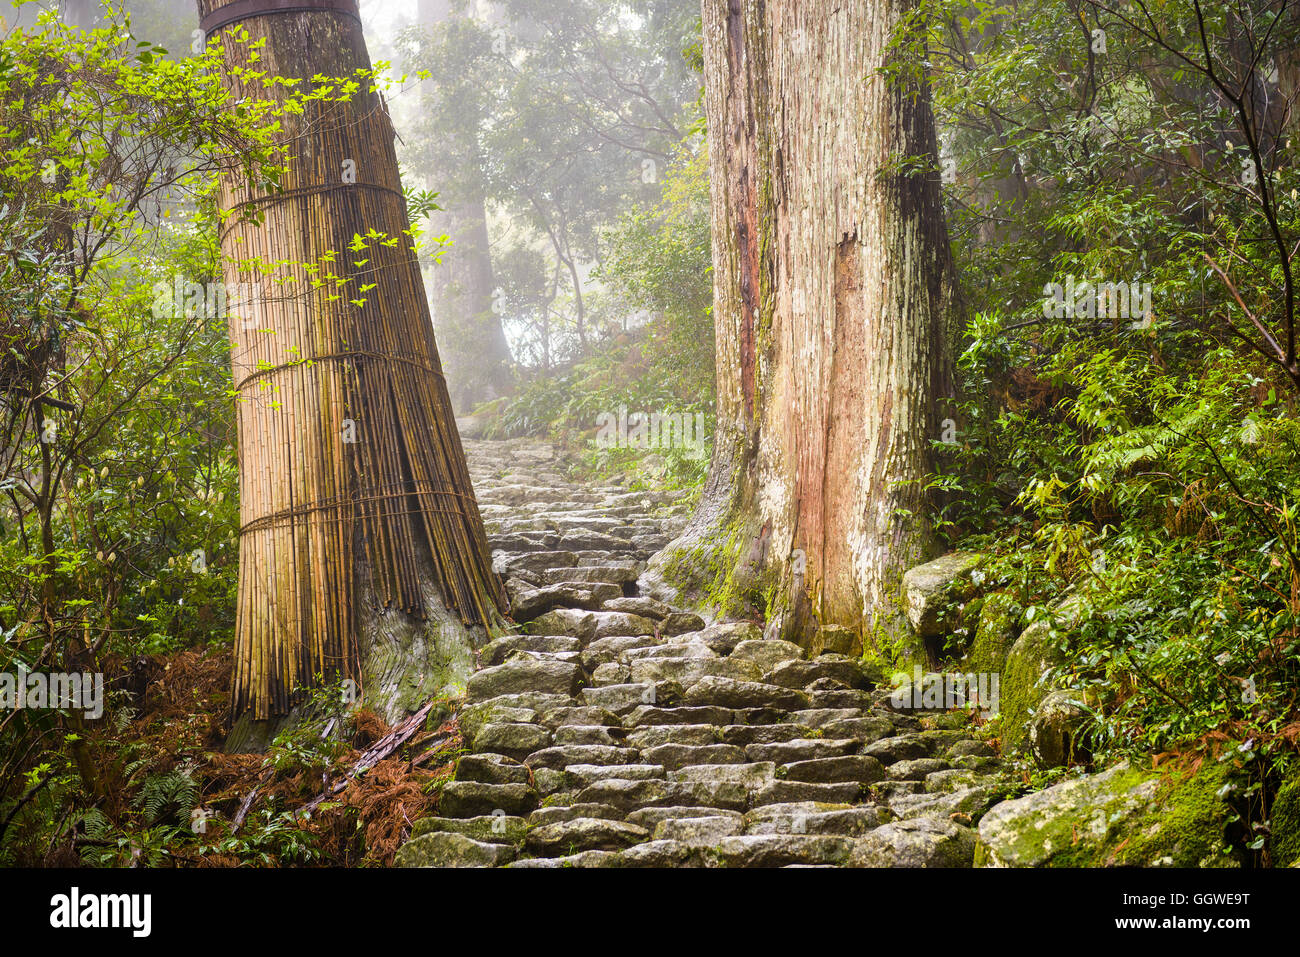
(1123, 817)
(933, 592)
(996, 633)
(1023, 685)
(1284, 825)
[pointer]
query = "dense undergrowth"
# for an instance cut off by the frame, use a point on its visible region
(1143, 465)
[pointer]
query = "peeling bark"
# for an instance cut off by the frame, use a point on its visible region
(833, 303)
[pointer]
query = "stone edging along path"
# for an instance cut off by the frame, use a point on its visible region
(622, 732)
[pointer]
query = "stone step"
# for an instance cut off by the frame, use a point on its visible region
(904, 747)
(579, 716)
(688, 671)
(702, 831)
(692, 648)
(868, 728)
(746, 734)
(650, 715)
(491, 769)
(516, 542)
(752, 776)
(820, 717)
(664, 854)
(916, 769)
(850, 672)
(610, 673)
(559, 757)
(448, 849)
(853, 767)
(784, 792)
(848, 698)
(766, 654)
(528, 603)
(732, 693)
(633, 795)
(584, 834)
(492, 828)
(598, 734)
(524, 676)
(555, 814)
(613, 649)
(603, 574)
(801, 749)
(578, 776)
(473, 799)
(813, 817)
(782, 850)
(496, 652)
(522, 706)
(649, 817)
(626, 698)
(675, 756)
(645, 607)
(530, 564)
(514, 740)
(688, 734)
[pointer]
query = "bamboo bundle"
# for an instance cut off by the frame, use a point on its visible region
(350, 462)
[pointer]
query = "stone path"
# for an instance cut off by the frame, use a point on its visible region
(621, 732)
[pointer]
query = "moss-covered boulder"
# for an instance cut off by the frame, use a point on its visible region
(934, 591)
(1123, 817)
(835, 639)
(995, 634)
(1284, 825)
(1024, 682)
(1057, 730)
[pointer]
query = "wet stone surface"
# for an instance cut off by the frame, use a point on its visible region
(617, 731)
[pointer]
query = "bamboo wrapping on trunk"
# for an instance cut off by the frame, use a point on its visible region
(314, 370)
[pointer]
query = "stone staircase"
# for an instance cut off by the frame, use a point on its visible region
(621, 732)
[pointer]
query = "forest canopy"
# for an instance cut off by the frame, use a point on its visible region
(1010, 285)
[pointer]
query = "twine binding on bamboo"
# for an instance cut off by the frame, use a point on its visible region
(326, 522)
(246, 9)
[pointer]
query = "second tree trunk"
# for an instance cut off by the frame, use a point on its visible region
(833, 292)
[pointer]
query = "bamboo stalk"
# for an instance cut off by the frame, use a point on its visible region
(307, 496)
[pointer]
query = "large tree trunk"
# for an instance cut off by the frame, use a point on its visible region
(362, 553)
(833, 292)
(474, 344)
(477, 353)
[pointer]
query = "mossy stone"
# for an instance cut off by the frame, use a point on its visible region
(1123, 817)
(1023, 685)
(1284, 825)
(996, 633)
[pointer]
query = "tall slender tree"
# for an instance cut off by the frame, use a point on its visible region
(362, 553)
(833, 294)
(464, 309)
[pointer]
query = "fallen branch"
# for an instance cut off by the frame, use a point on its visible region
(247, 804)
(376, 753)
